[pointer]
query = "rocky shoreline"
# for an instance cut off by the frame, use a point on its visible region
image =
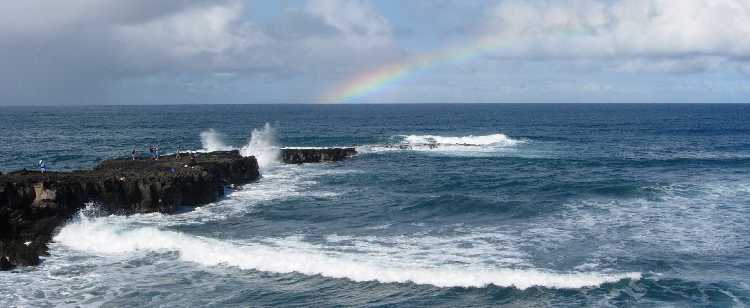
(33, 205)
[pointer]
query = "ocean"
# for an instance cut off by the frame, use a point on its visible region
(518, 205)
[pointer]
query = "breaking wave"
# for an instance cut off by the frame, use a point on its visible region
(486, 140)
(464, 145)
(105, 237)
(262, 144)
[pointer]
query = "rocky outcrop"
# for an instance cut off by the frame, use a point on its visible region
(315, 155)
(33, 204)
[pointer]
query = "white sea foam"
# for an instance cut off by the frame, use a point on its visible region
(448, 145)
(314, 147)
(485, 140)
(475, 247)
(688, 219)
(101, 237)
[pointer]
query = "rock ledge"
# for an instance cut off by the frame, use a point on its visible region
(315, 155)
(33, 204)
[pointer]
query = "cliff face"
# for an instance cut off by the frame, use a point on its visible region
(32, 204)
(299, 156)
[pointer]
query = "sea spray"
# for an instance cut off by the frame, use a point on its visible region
(211, 140)
(263, 146)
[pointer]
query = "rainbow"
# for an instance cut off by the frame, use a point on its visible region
(375, 80)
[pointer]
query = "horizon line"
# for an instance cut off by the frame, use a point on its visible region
(571, 101)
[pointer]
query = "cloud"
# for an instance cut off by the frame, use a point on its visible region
(354, 18)
(218, 38)
(35, 21)
(678, 65)
(174, 51)
(73, 51)
(205, 38)
(80, 51)
(671, 33)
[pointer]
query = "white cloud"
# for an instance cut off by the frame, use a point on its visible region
(351, 17)
(363, 36)
(202, 38)
(217, 36)
(624, 28)
(695, 64)
(32, 21)
(90, 46)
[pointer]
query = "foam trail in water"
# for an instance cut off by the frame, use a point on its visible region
(262, 145)
(211, 140)
(98, 236)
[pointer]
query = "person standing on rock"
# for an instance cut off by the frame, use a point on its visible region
(156, 150)
(132, 154)
(192, 161)
(42, 166)
(151, 151)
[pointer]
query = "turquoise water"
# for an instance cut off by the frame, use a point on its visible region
(519, 205)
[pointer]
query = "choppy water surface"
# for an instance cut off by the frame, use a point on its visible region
(518, 205)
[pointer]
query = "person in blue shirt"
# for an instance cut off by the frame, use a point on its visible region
(42, 166)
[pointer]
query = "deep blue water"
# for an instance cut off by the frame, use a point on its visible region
(534, 205)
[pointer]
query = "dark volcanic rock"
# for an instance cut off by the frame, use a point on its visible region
(33, 204)
(5, 264)
(299, 156)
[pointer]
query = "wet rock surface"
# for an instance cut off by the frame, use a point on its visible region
(300, 155)
(33, 204)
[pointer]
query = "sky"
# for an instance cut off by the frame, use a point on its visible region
(97, 52)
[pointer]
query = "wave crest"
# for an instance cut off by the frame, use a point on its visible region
(98, 236)
(471, 140)
(464, 146)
